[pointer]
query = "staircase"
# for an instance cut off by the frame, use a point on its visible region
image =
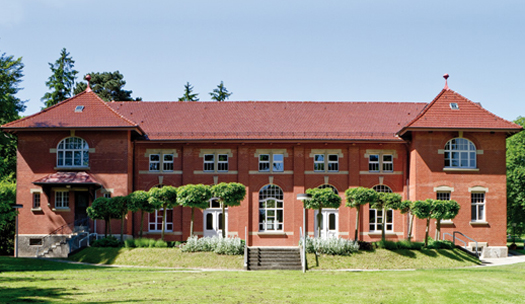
(274, 258)
(64, 240)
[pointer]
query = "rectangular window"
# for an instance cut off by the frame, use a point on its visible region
(333, 162)
(278, 165)
(375, 220)
(264, 162)
(373, 163)
(209, 162)
(154, 162)
(478, 206)
(222, 162)
(319, 162)
(167, 162)
(443, 196)
(270, 215)
(35, 242)
(155, 220)
(107, 195)
(388, 163)
(62, 199)
(36, 200)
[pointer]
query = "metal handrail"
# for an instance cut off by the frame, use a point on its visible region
(465, 243)
(246, 247)
(60, 230)
(302, 249)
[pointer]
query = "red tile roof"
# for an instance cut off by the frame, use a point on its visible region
(469, 115)
(96, 114)
(67, 178)
(270, 120)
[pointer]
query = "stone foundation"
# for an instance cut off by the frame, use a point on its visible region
(492, 252)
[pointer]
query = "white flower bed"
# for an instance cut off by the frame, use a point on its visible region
(219, 245)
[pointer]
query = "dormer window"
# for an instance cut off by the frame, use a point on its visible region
(79, 109)
(454, 106)
(73, 152)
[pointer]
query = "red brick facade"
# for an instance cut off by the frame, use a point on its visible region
(120, 146)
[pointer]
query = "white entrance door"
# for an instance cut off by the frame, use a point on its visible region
(329, 223)
(212, 220)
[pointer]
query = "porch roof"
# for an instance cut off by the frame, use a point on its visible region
(68, 178)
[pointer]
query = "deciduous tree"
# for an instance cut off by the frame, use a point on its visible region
(423, 210)
(516, 180)
(229, 195)
(163, 198)
(321, 198)
(61, 81)
(443, 210)
(355, 198)
(105, 209)
(384, 202)
(193, 196)
(7, 216)
(108, 86)
(139, 200)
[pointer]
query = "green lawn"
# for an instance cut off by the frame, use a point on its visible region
(40, 281)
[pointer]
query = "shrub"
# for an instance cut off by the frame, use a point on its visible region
(389, 245)
(130, 243)
(433, 244)
(109, 241)
(161, 244)
(366, 246)
(219, 245)
(332, 246)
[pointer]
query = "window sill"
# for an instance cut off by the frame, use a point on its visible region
(72, 168)
(325, 172)
(382, 172)
(61, 209)
(444, 223)
(36, 209)
(374, 233)
(479, 223)
(270, 233)
(215, 172)
(270, 172)
(450, 169)
(159, 172)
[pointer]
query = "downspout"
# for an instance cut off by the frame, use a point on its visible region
(133, 190)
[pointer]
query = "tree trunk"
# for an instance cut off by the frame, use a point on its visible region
(106, 228)
(410, 227)
(191, 223)
(109, 226)
(357, 222)
(383, 237)
(319, 221)
(426, 232)
(163, 222)
(122, 227)
(438, 229)
(223, 215)
(141, 222)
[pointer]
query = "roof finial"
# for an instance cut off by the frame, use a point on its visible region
(88, 78)
(446, 82)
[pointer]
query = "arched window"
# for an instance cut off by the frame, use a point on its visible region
(271, 208)
(376, 216)
(460, 153)
(73, 152)
(329, 186)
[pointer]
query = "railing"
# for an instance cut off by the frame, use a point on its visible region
(246, 248)
(454, 238)
(77, 226)
(302, 249)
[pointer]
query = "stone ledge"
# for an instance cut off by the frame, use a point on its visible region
(494, 252)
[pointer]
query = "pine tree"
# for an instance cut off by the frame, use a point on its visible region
(220, 93)
(108, 86)
(62, 80)
(188, 96)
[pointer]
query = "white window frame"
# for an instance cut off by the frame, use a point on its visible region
(460, 153)
(322, 162)
(216, 163)
(443, 195)
(222, 165)
(319, 162)
(376, 224)
(386, 163)
(154, 163)
(73, 149)
(208, 164)
(478, 206)
(272, 163)
(267, 194)
(265, 162)
(167, 165)
(372, 164)
(158, 214)
(61, 199)
(37, 199)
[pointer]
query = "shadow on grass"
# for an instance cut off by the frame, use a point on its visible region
(10, 264)
(429, 252)
(96, 255)
(458, 255)
(406, 253)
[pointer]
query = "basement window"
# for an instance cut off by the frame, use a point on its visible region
(454, 106)
(79, 109)
(35, 242)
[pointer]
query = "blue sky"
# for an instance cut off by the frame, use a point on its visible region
(375, 50)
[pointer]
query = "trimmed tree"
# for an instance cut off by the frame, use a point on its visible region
(163, 198)
(193, 196)
(423, 211)
(355, 197)
(139, 200)
(444, 210)
(406, 207)
(104, 209)
(122, 204)
(384, 202)
(321, 198)
(229, 195)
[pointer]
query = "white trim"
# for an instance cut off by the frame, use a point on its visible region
(478, 189)
(451, 169)
(35, 191)
(159, 172)
(214, 172)
(443, 189)
(325, 172)
(382, 173)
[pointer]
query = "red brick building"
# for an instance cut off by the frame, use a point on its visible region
(83, 148)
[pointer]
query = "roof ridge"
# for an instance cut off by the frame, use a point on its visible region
(44, 110)
(425, 109)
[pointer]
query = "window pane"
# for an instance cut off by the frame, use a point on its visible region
(168, 157)
(264, 157)
(319, 157)
(387, 158)
(278, 167)
(333, 157)
(223, 157)
(154, 157)
(209, 157)
(220, 220)
(264, 166)
(332, 224)
(278, 157)
(319, 167)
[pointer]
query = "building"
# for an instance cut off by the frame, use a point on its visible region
(83, 148)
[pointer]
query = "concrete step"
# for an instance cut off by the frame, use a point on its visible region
(272, 258)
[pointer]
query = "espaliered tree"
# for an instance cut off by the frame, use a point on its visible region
(229, 195)
(321, 198)
(104, 209)
(384, 202)
(423, 210)
(163, 198)
(193, 196)
(443, 210)
(355, 197)
(139, 200)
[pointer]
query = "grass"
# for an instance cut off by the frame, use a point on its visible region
(157, 257)
(40, 281)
